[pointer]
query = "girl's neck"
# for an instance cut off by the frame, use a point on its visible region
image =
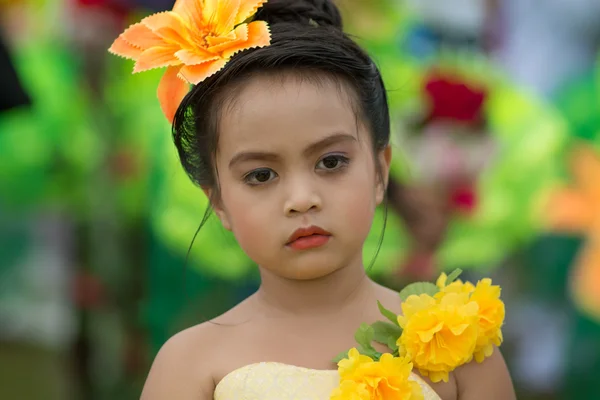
(347, 288)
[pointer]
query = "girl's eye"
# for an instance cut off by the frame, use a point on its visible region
(260, 176)
(333, 162)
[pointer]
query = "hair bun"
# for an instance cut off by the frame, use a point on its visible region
(321, 12)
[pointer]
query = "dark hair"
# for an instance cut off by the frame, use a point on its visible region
(306, 38)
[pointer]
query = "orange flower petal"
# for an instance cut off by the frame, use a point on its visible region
(171, 91)
(197, 73)
(156, 57)
(139, 35)
(585, 164)
(173, 36)
(209, 14)
(189, 57)
(190, 10)
(225, 16)
(585, 281)
(258, 36)
(247, 9)
(240, 37)
(168, 23)
(570, 211)
(217, 40)
(123, 48)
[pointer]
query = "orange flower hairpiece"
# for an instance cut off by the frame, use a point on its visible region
(194, 41)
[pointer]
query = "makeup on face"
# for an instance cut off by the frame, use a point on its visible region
(308, 238)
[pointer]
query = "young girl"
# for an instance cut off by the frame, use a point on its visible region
(287, 132)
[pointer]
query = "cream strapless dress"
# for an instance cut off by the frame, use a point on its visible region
(276, 381)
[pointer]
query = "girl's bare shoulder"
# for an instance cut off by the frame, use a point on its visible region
(180, 370)
(185, 365)
(489, 379)
(389, 298)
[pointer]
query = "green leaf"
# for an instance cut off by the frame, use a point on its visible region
(392, 345)
(388, 314)
(385, 331)
(374, 354)
(453, 276)
(417, 289)
(364, 336)
(340, 357)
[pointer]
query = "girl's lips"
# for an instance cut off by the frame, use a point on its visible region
(309, 242)
(308, 238)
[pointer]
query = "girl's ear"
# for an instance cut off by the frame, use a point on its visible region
(384, 158)
(217, 206)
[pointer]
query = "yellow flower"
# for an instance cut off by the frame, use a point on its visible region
(351, 390)
(348, 366)
(386, 379)
(439, 334)
(457, 286)
(194, 41)
(491, 317)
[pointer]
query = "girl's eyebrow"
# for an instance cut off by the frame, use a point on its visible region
(310, 149)
(252, 156)
(328, 141)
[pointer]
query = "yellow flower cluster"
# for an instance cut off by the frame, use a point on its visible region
(445, 331)
(386, 379)
(491, 317)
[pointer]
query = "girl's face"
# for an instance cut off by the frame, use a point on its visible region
(291, 156)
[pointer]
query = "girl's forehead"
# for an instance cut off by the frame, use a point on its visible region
(284, 93)
(268, 110)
